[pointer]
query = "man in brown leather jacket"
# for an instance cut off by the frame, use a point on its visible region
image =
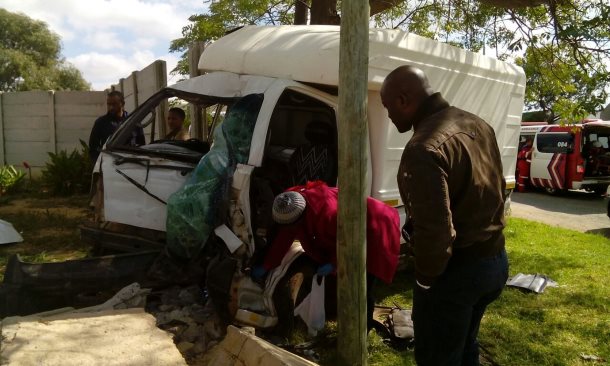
(450, 179)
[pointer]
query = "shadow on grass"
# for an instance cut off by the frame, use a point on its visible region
(399, 292)
(603, 232)
(532, 263)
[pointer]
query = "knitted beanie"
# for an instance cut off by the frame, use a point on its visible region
(288, 207)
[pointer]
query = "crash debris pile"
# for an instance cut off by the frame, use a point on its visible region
(187, 314)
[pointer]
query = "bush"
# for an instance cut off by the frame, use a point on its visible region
(10, 178)
(67, 174)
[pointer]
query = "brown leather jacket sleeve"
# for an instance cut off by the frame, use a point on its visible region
(428, 195)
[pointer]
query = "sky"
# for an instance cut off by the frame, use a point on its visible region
(109, 39)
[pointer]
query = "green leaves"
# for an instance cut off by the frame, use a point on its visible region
(559, 86)
(9, 178)
(564, 46)
(30, 57)
(224, 15)
(68, 173)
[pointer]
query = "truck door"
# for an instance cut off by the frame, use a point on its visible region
(548, 169)
(138, 180)
(596, 151)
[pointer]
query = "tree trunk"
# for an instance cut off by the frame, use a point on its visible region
(377, 6)
(324, 12)
(300, 12)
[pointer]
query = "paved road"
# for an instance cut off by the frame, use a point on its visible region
(577, 210)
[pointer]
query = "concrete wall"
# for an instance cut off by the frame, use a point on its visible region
(34, 123)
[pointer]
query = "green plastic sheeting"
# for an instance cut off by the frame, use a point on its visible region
(199, 206)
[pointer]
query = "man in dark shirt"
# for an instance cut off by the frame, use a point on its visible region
(451, 182)
(105, 125)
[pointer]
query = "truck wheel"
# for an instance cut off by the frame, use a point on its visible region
(600, 190)
(553, 191)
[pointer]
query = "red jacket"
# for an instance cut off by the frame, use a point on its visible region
(317, 232)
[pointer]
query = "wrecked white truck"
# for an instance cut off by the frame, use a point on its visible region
(270, 97)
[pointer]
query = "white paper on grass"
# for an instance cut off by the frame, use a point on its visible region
(311, 309)
(231, 240)
(8, 234)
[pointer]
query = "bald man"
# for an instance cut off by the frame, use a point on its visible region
(450, 179)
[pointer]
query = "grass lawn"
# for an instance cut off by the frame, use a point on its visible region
(48, 225)
(552, 328)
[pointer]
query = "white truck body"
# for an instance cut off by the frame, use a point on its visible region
(485, 86)
(304, 62)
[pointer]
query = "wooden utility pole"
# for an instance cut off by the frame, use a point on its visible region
(199, 126)
(353, 143)
(161, 82)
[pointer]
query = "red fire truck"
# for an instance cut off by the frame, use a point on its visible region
(567, 157)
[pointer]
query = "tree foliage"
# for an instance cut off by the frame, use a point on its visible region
(30, 57)
(563, 45)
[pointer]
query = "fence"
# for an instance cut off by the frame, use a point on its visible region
(34, 123)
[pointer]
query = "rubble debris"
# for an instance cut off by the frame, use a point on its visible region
(200, 334)
(189, 316)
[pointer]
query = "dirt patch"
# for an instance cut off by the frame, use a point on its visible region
(48, 225)
(76, 206)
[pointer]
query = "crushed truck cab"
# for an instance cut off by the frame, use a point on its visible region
(294, 72)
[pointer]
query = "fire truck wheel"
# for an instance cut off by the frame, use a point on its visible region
(553, 191)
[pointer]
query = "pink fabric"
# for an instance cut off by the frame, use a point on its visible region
(317, 232)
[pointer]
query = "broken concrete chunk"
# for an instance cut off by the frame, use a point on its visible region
(179, 315)
(192, 333)
(166, 307)
(111, 337)
(190, 295)
(242, 348)
(184, 347)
